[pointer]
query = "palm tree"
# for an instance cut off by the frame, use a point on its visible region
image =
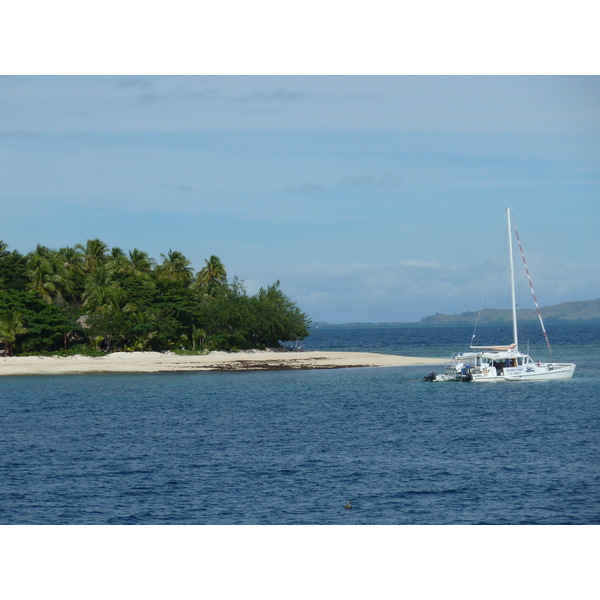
(3, 252)
(72, 258)
(175, 267)
(210, 279)
(42, 251)
(94, 254)
(117, 302)
(198, 337)
(117, 260)
(97, 288)
(110, 308)
(11, 326)
(140, 265)
(44, 280)
(145, 328)
(212, 275)
(70, 270)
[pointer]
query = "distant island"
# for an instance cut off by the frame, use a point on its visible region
(585, 311)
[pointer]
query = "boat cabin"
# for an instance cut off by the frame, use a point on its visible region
(489, 362)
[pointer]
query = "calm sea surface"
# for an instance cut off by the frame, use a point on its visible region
(292, 447)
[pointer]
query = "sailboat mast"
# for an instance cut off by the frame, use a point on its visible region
(512, 283)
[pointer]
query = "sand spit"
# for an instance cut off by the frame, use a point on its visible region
(251, 360)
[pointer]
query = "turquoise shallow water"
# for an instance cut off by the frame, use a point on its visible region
(291, 447)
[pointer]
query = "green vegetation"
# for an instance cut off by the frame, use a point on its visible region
(91, 298)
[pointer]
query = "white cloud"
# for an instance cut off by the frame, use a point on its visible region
(410, 290)
(402, 291)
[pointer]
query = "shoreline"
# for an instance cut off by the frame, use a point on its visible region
(249, 360)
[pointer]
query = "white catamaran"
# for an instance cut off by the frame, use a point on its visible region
(504, 363)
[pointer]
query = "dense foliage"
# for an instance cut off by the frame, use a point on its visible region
(91, 297)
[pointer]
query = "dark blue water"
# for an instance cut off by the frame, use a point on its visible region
(291, 447)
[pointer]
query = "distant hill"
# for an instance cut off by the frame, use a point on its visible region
(585, 311)
(567, 312)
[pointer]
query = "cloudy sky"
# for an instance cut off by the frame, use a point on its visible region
(371, 198)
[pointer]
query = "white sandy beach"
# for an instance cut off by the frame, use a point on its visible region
(148, 362)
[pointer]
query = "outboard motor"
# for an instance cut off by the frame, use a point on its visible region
(466, 374)
(430, 377)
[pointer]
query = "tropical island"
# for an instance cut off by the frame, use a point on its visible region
(93, 300)
(93, 309)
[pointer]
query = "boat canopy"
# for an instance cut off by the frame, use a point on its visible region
(491, 355)
(511, 347)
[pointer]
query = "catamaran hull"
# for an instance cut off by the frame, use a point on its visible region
(543, 373)
(529, 372)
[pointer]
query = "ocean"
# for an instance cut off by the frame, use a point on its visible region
(293, 447)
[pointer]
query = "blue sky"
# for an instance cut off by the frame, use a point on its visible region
(371, 198)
